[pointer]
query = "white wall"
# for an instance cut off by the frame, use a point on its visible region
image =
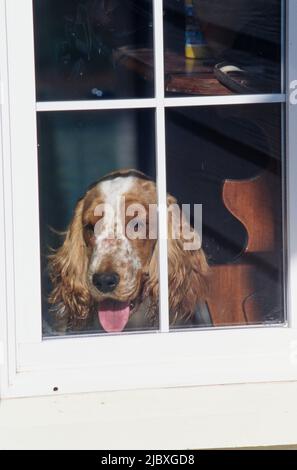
(193, 418)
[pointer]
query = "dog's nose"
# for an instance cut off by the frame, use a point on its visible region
(106, 282)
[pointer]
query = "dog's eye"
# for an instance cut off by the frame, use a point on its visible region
(138, 226)
(89, 227)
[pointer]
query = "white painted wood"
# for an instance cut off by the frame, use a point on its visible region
(42, 106)
(161, 167)
(291, 174)
(7, 310)
(182, 418)
(3, 300)
(224, 100)
(23, 141)
(156, 360)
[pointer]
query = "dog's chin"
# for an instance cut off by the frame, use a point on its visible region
(114, 314)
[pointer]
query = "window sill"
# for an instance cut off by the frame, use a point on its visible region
(192, 418)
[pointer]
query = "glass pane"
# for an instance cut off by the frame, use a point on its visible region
(222, 47)
(227, 159)
(88, 49)
(103, 276)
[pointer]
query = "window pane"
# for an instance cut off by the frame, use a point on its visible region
(101, 281)
(85, 49)
(228, 159)
(215, 47)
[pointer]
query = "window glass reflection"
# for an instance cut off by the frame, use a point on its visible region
(85, 49)
(215, 47)
(96, 282)
(228, 159)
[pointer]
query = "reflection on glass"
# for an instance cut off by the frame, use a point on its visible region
(215, 47)
(228, 159)
(87, 49)
(98, 281)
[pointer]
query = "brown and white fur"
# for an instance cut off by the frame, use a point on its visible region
(87, 253)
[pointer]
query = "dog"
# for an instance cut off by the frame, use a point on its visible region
(96, 273)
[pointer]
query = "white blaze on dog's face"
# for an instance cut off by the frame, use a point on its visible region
(118, 262)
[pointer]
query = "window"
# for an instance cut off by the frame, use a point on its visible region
(77, 149)
(193, 96)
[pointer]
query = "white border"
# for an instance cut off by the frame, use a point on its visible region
(24, 169)
(160, 360)
(7, 311)
(127, 361)
(160, 101)
(292, 165)
(3, 267)
(89, 105)
(161, 166)
(177, 418)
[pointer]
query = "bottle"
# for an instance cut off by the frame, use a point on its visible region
(195, 43)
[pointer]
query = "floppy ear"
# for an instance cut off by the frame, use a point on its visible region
(187, 270)
(68, 272)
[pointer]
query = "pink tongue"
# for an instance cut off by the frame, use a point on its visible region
(113, 315)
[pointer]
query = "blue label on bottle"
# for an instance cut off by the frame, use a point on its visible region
(194, 38)
(189, 10)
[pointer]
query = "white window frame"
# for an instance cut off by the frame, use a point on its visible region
(33, 366)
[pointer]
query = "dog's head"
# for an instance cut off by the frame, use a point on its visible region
(109, 260)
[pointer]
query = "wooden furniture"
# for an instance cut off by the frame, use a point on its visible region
(247, 291)
(182, 76)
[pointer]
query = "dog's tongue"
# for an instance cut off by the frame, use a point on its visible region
(113, 315)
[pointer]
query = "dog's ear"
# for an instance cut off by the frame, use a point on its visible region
(68, 272)
(187, 269)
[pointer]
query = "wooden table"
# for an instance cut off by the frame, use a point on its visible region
(182, 76)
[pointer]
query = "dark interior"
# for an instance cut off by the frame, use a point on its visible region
(76, 43)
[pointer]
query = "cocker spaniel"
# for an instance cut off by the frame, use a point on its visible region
(95, 272)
